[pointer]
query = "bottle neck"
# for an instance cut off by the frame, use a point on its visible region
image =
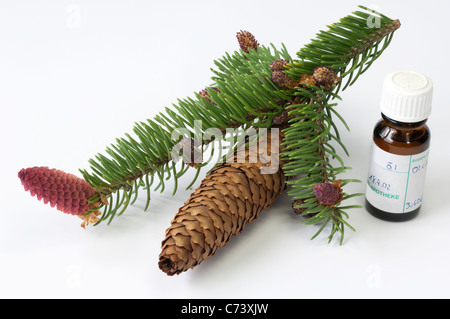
(403, 125)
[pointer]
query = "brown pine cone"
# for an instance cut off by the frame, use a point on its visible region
(230, 197)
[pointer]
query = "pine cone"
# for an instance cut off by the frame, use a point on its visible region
(230, 197)
(67, 192)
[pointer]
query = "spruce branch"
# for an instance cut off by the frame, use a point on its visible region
(255, 87)
(242, 96)
(349, 46)
(347, 49)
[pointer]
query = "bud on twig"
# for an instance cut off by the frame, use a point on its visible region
(282, 80)
(278, 65)
(247, 41)
(328, 193)
(326, 77)
(204, 94)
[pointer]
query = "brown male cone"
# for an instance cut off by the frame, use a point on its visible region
(231, 196)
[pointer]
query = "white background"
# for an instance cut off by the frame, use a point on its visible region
(74, 75)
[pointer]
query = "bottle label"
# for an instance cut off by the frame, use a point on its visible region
(395, 183)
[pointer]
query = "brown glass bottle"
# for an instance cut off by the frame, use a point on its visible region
(401, 139)
(400, 148)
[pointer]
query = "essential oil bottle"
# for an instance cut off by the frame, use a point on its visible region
(400, 148)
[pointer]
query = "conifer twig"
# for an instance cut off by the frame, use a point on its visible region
(255, 87)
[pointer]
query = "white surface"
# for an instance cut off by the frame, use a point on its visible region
(74, 75)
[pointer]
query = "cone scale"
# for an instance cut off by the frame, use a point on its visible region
(230, 197)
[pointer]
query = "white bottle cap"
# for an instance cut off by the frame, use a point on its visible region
(407, 96)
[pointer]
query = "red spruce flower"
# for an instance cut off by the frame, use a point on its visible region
(328, 193)
(67, 192)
